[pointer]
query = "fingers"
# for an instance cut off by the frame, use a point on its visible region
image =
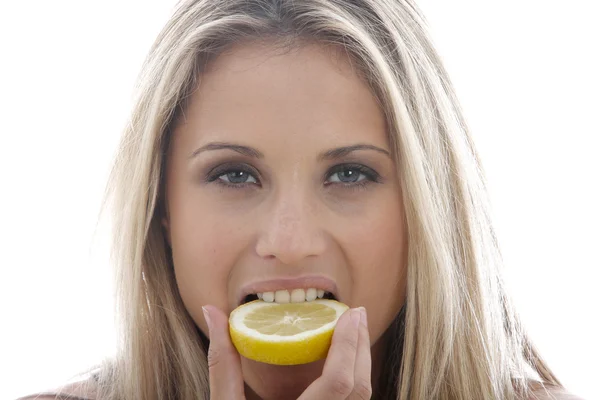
(337, 380)
(347, 370)
(362, 367)
(224, 368)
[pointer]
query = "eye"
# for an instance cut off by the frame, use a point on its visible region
(351, 174)
(233, 175)
(237, 177)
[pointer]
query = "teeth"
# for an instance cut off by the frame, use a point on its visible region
(282, 296)
(311, 294)
(298, 296)
(269, 297)
(294, 296)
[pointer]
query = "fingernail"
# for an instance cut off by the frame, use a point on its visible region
(363, 316)
(207, 318)
(355, 317)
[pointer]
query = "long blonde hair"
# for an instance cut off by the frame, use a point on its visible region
(458, 336)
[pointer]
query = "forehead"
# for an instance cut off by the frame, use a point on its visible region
(309, 91)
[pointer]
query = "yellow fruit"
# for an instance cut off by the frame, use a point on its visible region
(284, 334)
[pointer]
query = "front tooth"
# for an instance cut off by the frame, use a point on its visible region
(282, 296)
(320, 293)
(269, 297)
(259, 295)
(298, 296)
(311, 294)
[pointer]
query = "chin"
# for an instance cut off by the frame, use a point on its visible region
(279, 382)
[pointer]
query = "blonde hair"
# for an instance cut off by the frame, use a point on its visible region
(458, 336)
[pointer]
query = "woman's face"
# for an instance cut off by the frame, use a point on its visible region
(280, 176)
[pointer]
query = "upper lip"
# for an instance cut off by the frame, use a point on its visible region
(289, 283)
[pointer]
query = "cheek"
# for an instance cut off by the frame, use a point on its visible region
(204, 251)
(377, 258)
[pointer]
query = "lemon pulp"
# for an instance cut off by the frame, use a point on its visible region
(284, 334)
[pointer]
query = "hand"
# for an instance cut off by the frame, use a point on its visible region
(346, 374)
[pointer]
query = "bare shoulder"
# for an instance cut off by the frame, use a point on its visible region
(81, 390)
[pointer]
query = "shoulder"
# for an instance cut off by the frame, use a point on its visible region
(81, 390)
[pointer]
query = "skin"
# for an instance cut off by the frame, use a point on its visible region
(290, 214)
(291, 107)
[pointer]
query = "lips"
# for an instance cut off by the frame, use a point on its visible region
(290, 290)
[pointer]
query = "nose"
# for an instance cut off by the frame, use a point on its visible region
(292, 229)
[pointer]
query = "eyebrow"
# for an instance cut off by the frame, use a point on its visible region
(344, 151)
(332, 154)
(245, 150)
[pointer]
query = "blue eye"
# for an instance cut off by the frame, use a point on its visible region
(242, 176)
(350, 174)
(234, 175)
(237, 177)
(347, 176)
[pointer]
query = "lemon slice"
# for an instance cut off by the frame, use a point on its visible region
(284, 334)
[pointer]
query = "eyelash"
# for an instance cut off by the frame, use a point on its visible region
(371, 176)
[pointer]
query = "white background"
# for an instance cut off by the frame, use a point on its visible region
(526, 72)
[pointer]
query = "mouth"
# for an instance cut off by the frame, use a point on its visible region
(293, 296)
(293, 290)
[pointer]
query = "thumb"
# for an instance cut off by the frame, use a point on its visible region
(224, 367)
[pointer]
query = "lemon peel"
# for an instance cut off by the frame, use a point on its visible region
(284, 334)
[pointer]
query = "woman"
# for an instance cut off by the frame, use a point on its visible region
(307, 144)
